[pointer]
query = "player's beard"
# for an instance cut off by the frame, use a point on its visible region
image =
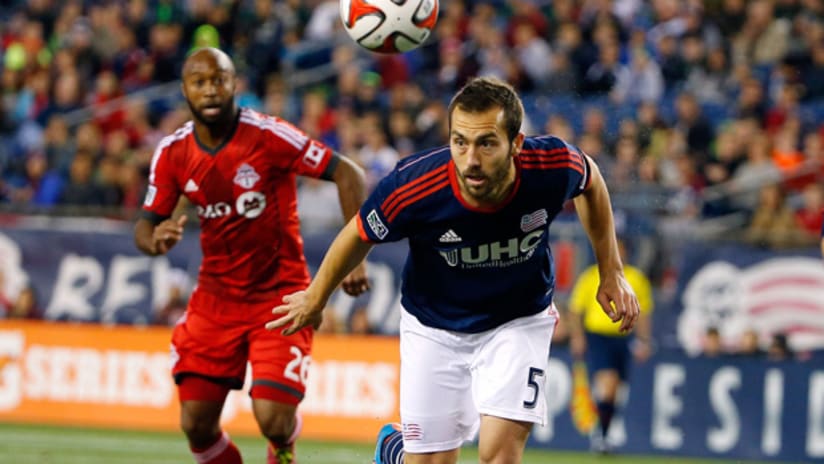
(496, 185)
(224, 117)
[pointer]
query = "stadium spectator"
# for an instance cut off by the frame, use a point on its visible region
(233, 163)
(443, 326)
(808, 215)
(822, 234)
(608, 350)
(712, 346)
(779, 349)
(25, 305)
(749, 346)
(773, 224)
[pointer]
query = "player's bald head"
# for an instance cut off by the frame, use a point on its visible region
(208, 57)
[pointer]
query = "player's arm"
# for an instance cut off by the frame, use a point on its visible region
(158, 238)
(615, 295)
(305, 308)
(351, 182)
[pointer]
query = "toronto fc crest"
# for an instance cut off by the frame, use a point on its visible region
(246, 176)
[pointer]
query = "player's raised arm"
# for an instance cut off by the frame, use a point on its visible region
(615, 295)
(351, 183)
(305, 307)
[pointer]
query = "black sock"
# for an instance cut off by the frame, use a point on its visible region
(605, 413)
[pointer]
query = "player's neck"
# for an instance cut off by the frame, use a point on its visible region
(213, 136)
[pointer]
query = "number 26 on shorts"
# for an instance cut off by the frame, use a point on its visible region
(532, 384)
(298, 368)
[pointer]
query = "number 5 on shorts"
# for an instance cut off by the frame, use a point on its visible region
(533, 384)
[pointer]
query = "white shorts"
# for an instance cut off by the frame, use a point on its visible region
(448, 379)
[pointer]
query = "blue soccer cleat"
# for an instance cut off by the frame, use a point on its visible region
(386, 431)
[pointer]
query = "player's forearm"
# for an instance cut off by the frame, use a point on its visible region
(143, 231)
(351, 183)
(595, 212)
(345, 253)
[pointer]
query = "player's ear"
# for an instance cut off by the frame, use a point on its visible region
(518, 143)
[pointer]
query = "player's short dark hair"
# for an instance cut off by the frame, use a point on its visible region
(484, 93)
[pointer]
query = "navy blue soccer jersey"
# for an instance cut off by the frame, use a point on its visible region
(470, 269)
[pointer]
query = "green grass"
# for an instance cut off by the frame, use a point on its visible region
(36, 444)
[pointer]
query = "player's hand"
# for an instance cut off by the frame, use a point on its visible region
(356, 282)
(618, 300)
(296, 313)
(167, 234)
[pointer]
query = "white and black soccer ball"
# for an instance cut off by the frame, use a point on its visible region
(389, 26)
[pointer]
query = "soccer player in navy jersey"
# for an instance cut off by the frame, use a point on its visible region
(239, 167)
(477, 289)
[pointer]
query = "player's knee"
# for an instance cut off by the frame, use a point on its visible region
(200, 430)
(278, 426)
(500, 455)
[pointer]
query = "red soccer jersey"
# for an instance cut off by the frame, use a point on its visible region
(245, 193)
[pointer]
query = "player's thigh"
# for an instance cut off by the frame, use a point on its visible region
(280, 364)
(437, 412)
(511, 369)
(203, 344)
(502, 440)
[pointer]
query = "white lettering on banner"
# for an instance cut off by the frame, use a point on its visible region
(722, 439)
(773, 396)
(352, 389)
(78, 279)
(815, 419)
(120, 292)
(558, 394)
(11, 374)
(85, 375)
(666, 405)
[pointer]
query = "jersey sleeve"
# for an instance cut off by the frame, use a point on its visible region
(379, 218)
(579, 172)
(162, 192)
(296, 152)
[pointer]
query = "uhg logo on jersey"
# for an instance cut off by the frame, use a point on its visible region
(503, 253)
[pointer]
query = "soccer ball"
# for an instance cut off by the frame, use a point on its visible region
(389, 26)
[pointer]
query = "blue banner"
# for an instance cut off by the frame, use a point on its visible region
(730, 407)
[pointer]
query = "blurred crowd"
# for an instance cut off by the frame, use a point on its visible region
(701, 109)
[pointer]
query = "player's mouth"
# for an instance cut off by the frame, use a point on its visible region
(211, 110)
(475, 180)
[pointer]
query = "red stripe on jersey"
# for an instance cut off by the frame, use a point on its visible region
(536, 151)
(553, 165)
(394, 196)
(442, 181)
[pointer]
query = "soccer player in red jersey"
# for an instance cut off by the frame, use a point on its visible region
(238, 167)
